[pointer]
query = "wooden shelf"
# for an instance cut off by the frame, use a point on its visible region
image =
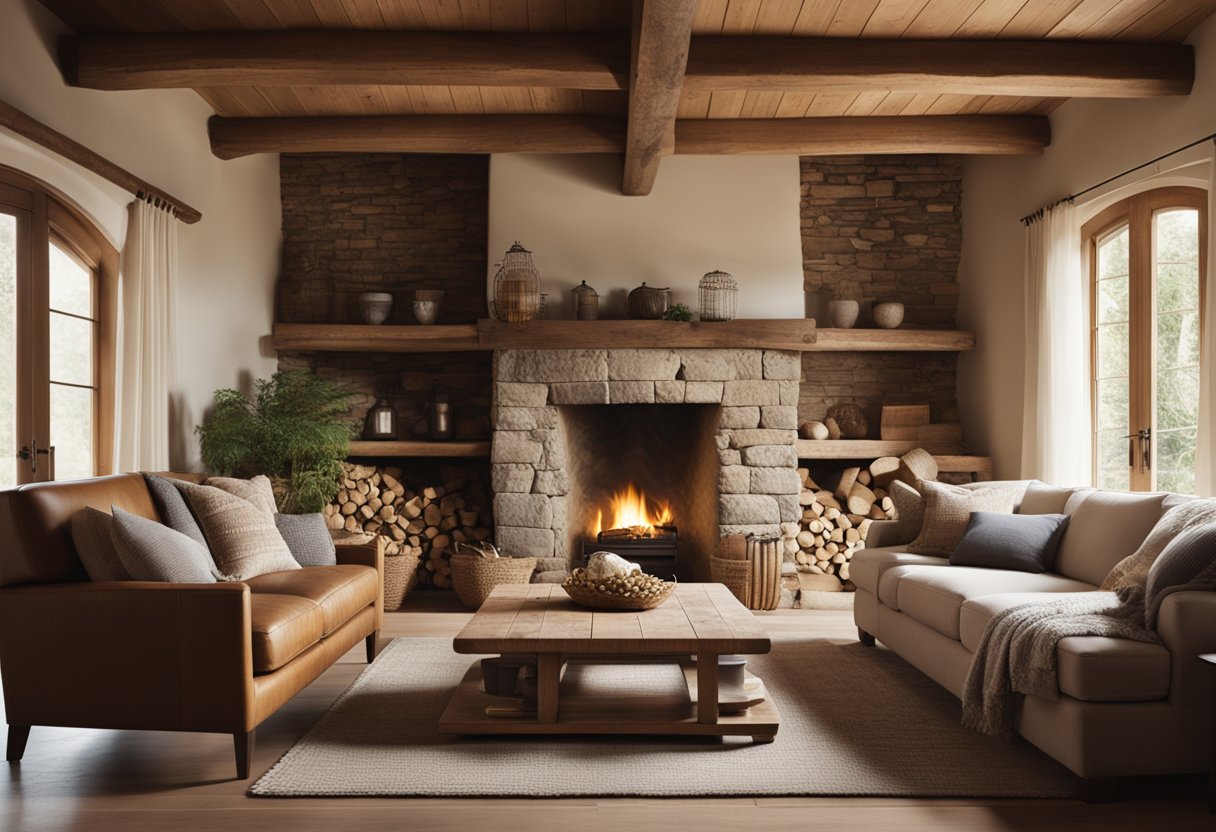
(364, 338)
(894, 340)
(797, 334)
(418, 448)
(871, 448)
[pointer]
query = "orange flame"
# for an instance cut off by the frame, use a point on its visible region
(629, 509)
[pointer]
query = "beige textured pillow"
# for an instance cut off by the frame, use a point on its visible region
(243, 539)
(948, 511)
(257, 490)
(1133, 569)
(909, 506)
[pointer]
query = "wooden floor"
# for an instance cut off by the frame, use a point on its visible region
(133, 781)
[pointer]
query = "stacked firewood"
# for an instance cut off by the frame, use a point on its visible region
(428, 520)
(837, 513)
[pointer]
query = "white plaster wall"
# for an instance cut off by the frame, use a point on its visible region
(735, 213)
(228, 261)
(1091, 140)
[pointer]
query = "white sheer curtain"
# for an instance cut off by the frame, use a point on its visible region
(147, 361)
(1205, 465)
(1056, 429)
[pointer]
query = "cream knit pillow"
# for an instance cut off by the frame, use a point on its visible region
(948, 511)
(256, 490)
(243, 539)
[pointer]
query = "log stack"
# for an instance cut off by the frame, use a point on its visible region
(837, 513)
(426, 519)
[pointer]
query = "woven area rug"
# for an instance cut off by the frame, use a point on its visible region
(854, 721)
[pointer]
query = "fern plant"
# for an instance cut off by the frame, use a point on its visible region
(295, 430)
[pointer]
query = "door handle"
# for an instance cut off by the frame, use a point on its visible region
(31, 452)
(1131, 449)
(1146, 448)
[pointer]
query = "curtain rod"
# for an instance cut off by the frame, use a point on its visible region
(74, 151)
(1035, 215)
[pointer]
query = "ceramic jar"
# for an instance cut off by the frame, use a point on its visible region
(843, 313)
(888, 315)
(375, 307)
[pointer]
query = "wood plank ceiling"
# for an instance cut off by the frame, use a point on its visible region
(731, 76)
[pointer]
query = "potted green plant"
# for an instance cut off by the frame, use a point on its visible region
(295, 429)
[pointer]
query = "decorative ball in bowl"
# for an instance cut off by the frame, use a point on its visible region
(375, 307)
(609, 582)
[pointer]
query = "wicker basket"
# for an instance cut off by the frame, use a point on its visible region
(474, 577)
(735, 574)
(597, 600)
(400, 578)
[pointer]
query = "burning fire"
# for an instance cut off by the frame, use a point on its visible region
(628, 509)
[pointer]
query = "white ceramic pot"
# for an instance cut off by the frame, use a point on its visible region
(427, 311)
(888, 315)
(843, 313)
(375, 307)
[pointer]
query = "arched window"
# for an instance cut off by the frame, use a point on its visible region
(1146, 257)
(58, 309)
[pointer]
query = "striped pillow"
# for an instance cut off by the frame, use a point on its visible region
(1188, 562)
(242, 537)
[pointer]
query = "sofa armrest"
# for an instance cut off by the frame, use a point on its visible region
(130, 654)
(1186, 623)
(888, 533)
(367, 554)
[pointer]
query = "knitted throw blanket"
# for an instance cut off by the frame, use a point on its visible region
(1017, 653)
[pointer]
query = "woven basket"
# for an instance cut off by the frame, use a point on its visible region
(735, 574)
(597, 600)
(474, 577)
(400, 577)
(764, 557)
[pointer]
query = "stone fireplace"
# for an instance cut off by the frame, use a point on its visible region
(708, 432)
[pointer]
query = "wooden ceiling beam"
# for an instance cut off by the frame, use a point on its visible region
(233, 137)
(843, 136)
(1042, 68)
(662, 32)
(291, 58)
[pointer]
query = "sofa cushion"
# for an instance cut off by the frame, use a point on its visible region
(948, 509)
(340, 591)
(151, 551)
(1134, 569)
(934, 596)
(171, 506)
(257, 490)
(284, 626)
(93, 536)
(1018, 542)
(308, 538)
(242, 537)
(1188, 562)
(1105, 527)
(1041, 498)
(1092, 668)
(867, 565)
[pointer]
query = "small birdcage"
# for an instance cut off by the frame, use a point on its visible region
(719, 296)
(516, 286)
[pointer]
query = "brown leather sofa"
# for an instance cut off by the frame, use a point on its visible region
(158, 656)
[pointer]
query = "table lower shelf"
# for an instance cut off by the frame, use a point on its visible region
(584, 712)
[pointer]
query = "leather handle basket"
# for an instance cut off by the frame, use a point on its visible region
(755, 579)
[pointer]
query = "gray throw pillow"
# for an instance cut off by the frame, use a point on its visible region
(92, 534)
(308, 538)
(151, 551)
(1017, 542)
(171, 505)
(1187, 562)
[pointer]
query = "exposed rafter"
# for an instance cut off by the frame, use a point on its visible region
(232, 137)
(1054, 69)
(129, 62)
(1043, 68)
(662, 31)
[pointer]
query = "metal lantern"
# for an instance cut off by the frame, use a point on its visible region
(516, 286)
(586, 302)
(381, 421)
(719, 296)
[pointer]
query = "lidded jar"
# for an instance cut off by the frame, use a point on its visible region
(586, 302)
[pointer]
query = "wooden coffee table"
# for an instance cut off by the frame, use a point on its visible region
(703, 621)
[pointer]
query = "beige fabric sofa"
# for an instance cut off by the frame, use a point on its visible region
(1125, 708)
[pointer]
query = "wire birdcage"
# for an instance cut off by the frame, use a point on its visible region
(719, 296)
(516, 286)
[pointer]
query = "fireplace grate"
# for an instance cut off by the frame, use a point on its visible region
(656, 555)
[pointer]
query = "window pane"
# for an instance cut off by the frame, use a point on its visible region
(1112, 350)
(1112, 404)
(1175, 460)
(72, 431)
(1177, 286)
(1113, 472)
(71, 284)
(71, 349)
(1112, 255)
(1177, 235)
(1112, 300)
(8, 351)
(1177, 340)
(1178, 398)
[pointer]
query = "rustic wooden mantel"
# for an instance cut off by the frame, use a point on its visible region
(796, 334)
